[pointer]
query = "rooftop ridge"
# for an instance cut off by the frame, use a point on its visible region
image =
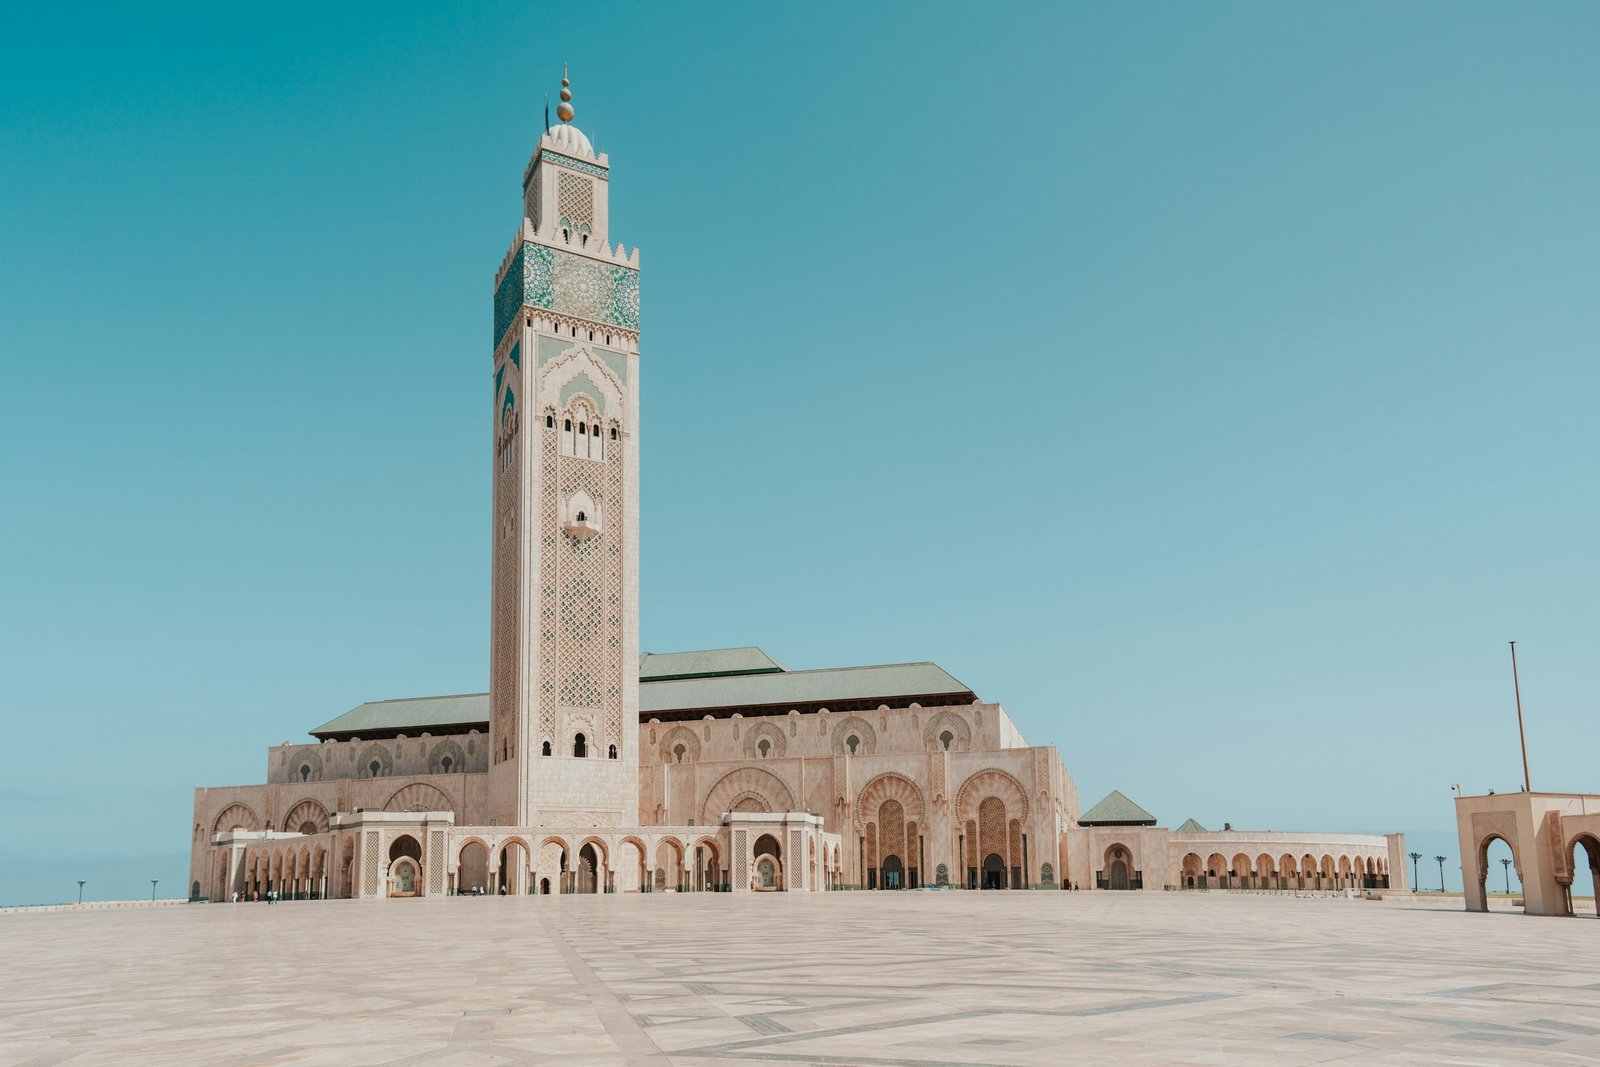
(698, 651)
(436, 696)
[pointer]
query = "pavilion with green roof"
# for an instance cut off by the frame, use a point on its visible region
(1116, 810)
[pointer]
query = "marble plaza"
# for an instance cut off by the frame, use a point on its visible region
(927, 978)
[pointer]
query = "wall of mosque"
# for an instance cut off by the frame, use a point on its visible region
(424, 754)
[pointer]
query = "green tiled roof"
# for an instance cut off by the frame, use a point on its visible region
(885, 683)
(712, 663)
(1116, 810)
(762, 682)
(416, 714)
(1191, 827)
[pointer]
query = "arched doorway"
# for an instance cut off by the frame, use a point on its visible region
(588, 869)
(768, 869)
(632, 876)
(512, 875)
(1118, 872)
(707, 869)
(1585, 853)
(994, 871)
(893, 873)
(472, 872)
(405, 867)
(669, 866)
(1498, 882)
(550, 863)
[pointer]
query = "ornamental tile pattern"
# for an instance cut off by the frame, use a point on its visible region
(568, 284)
(575, 164)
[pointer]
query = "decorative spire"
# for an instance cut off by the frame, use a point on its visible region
(564, 110)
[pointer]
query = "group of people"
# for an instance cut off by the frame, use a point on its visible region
(272, 896)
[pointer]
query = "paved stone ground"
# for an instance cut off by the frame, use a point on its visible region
(843, 978)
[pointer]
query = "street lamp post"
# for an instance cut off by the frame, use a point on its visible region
(153, 882)
(1506, 863)
(1441, 860)
(1415, 856)
(80, 889)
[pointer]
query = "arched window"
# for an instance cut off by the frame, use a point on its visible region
(678, 750)
(946, 738)
(567, 424)
(852, 742)
(445, 763)
(612, 752)
(582, 517)
(613, 433)
(549, 422)
(580, 746)
(765, 746)
(374, 767)
(547, 748)
(305, 772)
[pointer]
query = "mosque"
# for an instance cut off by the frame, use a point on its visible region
(589, 767)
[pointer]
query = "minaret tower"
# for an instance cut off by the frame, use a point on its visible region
(564, 620)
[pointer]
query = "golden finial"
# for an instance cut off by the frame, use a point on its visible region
(564, 110)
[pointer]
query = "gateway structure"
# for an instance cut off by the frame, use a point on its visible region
(589, 767)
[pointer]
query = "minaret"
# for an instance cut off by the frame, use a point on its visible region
(564, 620)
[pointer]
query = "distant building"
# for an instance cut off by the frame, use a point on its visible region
(589, 767)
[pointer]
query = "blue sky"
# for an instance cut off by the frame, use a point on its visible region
(1212, 385)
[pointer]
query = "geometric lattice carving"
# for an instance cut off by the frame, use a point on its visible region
(369, 865)
(581, 603)
(506, 579)
(575, 202)
(991, 827)
(892, 831)
(374, 754)
(680, 735)
(951, 723)
(436, 862)
(866, 738)
(890, 786)
(765, 731)
(443, 751)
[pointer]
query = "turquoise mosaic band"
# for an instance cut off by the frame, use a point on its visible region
(567, 284)
(578, 165)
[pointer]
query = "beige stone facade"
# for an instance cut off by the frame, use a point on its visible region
(588, 767)
(1552, 836)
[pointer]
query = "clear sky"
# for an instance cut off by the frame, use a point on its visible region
(1212, 385)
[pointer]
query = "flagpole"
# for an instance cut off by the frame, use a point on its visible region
(1522, 734)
